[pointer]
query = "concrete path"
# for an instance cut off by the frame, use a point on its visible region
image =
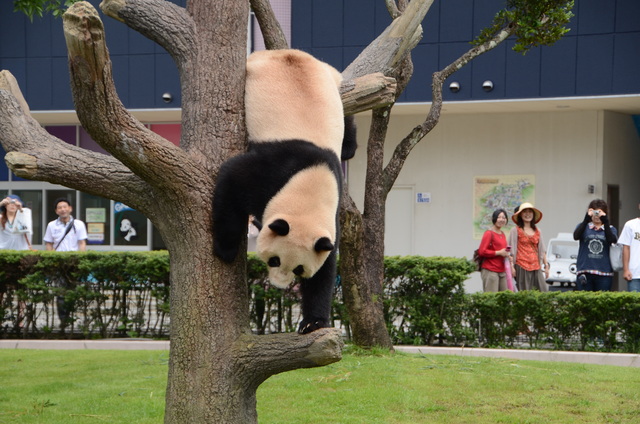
(618, 359)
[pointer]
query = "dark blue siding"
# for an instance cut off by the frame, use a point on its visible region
(594, 66)
(522, 73)
(36, 54)
(599, 56)
(626, 63)
(558, 69)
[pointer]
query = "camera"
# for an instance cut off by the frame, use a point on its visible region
(596, 213)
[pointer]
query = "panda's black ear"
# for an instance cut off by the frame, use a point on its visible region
(280, 227)
(323, 245)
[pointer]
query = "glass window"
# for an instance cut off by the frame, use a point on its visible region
(86, 142)
(66, 133)
(130, 226)
(32, 199)
(96, 214)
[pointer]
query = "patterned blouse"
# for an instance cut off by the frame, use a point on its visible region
(528, 250)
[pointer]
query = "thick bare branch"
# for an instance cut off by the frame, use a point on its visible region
(165, 23)
(35, 154)
(276, 353)
(386, 51)
(403, 149)
(272, 33)
(100, 111)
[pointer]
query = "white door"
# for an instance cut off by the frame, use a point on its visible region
(398, 233)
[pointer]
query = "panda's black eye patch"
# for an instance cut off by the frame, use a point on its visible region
(299, 270)
(274, 262)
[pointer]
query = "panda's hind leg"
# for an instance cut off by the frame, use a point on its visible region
(317, 295)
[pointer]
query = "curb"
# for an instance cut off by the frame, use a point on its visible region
(596, 358)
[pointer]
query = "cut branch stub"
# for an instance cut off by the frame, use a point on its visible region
(23, 165)
(84, 34)
(368, 92)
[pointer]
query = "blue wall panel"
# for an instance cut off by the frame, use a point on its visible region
(327, 23)
(522, 73)
(12, 32)
(60, 89)
(626, 65)
(301, 25)
(382, 16)
(558, 64)
(456, 21)
(4, 170)
(120, 71)
(431, 25)
(425, 63)
(489, 67)
(38, 37)
(628, 15)
(594, 71)
(447, 54)
(359, 24)
(167, 81)
(142, 81)
(595, 17)
(332, 55)
(39, 84)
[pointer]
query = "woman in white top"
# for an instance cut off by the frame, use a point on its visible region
(15, 224)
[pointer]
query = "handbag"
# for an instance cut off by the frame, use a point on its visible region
(615, 256)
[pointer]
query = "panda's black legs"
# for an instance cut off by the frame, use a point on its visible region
(317, 295)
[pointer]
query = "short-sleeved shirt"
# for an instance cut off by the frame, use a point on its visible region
(630, 236)
(55, 233)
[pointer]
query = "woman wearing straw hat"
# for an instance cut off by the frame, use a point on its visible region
(528, 250)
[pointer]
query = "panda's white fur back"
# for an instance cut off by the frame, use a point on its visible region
(311, 215)
(286, 98)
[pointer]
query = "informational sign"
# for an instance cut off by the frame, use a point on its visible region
(423, 197)
(499, 192)
(130, 226)
(95, 232)
(95, 215)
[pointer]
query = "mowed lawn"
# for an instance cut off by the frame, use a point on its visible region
(94, 386)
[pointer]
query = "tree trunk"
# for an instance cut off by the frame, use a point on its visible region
(362, 247)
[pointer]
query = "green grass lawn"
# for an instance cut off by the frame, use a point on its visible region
(65, 387)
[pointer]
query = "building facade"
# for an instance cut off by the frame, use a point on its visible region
(558, 127)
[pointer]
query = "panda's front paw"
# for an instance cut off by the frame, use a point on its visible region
(309, 325)
(226, 254)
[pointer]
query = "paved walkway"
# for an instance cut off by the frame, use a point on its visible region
(619, 359)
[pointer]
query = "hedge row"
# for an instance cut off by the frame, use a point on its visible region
(120, 294)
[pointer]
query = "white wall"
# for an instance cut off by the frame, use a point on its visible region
(563, 150)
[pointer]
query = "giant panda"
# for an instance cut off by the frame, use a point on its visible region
(290, 178)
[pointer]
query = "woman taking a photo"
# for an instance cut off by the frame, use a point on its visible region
(493, 250)
(528, 250)
(595, 236)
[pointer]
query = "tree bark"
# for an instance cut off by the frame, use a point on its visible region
(216, 364)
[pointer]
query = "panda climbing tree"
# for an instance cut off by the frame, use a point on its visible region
(290, 179)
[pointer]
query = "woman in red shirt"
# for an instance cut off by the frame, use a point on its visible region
(493, 249)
